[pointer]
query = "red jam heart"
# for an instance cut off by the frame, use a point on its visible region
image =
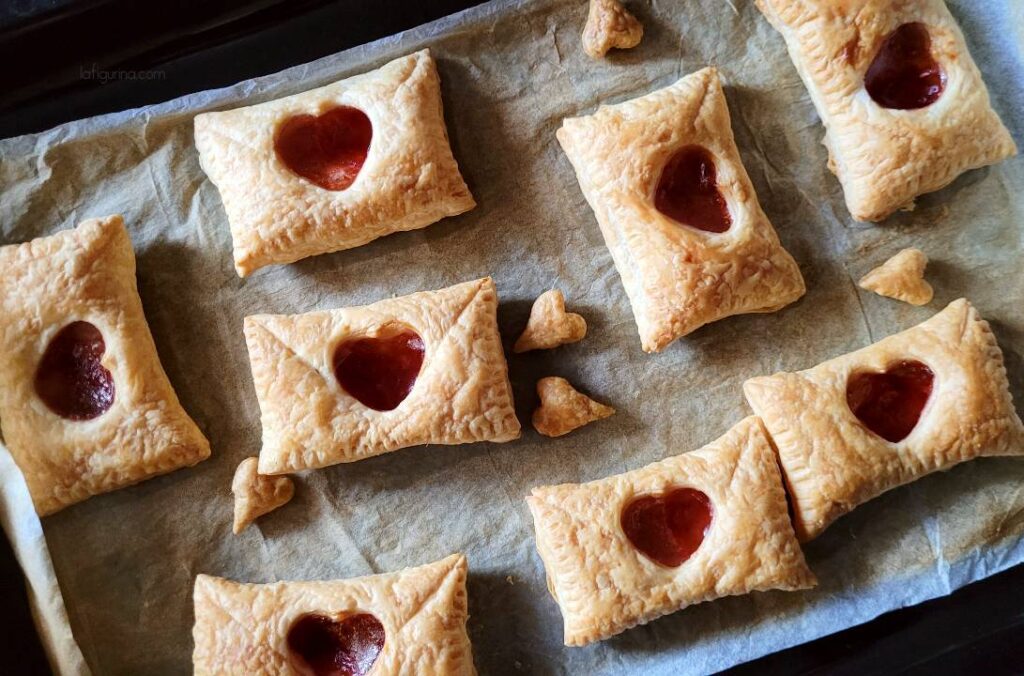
(890, 403)
(70, 378)
(329, 149)
(904, 75)
(668, 528)
(380, 372)
(688, 192)
(328, 647)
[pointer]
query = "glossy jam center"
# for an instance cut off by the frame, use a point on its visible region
(688, 192)
(329, 149)
(668, 528)
(328, 647)
(904, 75)
(890, 403)
(380, 372)
(70, 379)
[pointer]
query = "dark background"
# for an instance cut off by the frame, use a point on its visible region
(50, 51)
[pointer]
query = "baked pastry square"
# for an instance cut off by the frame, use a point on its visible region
(335, 167)
(343, 385)
(625, 550)
(678, 211)
(409, 622)
(914, 403)
(85, 406)
(904, 106)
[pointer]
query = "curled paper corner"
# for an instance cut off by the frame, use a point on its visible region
(25, 533)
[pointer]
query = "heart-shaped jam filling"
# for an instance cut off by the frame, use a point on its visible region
(890, 403)
(329, 647)
(904, 75)
(328, 149)
(688, 191)
(668, 528)
(70, 378)
(380, 372)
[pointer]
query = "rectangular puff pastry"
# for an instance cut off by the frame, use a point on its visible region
(677, 278)
(604, 585)
(243, 628)
(409, 179)
(85, 275)
(832, 462)
(461, 395)
(883, 157)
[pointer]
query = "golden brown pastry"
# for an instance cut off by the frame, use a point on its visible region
(914, 403)
(550, 325)
(627, 549)
(678, 211)
(256, 495)
(563, 409)
(343, 385)
(85, 406)
(901, 277)
(335, 167)
(409, 622)
(609, 26)
(904, 106)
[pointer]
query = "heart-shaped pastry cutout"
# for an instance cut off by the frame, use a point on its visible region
(890, 403)
(257, 494)
(688, 192)
(380, 372)
(901, 277)
(329, 149)
(563, 408)
(70, 378)
(668, 528)
(326, 646)
(550, 325)
(904, 75)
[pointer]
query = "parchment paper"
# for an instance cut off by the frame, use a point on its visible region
(511, 72)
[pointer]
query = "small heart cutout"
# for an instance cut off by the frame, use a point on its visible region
(688, 192)
(550, 325)
(904, 75)
(668, 528)
(890, 403)
(380, 372)
(329, 149)
(256, 494)
(70, 379)
(329, 647)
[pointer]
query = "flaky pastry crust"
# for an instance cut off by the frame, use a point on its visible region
(901, 277)
(550, 325)
(409, 180)
(610, 25)
(885, 158)
(85, 274)
(677, 278)
(256, 495)
(242, 628)
(604, 585)
(832, 463)
(462, 394)
(563, 408)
